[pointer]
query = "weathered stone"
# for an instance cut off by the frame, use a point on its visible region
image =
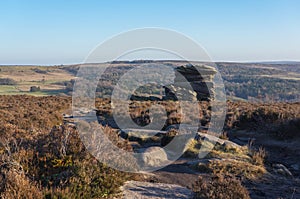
(195, 78)
(282, 170)
(228, 145)
(176, 92)
(146, 190)
(147, 133)
(214, 139)
(154, 157)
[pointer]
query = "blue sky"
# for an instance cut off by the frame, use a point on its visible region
(63, 32)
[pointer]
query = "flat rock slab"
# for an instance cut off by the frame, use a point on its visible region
(147, 190)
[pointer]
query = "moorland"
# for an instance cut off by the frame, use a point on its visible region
(255, 156)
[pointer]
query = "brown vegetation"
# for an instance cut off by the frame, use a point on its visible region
(220, 187)
(43, 158)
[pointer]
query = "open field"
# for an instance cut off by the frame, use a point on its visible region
(49, 79)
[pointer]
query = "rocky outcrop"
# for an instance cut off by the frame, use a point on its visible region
(199, 78)
(154, 157)
(191, 81)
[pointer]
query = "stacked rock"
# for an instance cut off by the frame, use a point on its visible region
(192, 82)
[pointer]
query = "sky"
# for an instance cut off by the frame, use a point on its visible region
(65, 32)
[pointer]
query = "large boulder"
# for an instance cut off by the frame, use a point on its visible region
(200, 78)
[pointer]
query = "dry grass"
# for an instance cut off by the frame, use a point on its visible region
(193, 147)
(236, 168)
(258, 156)
(224, 160)
(27, 74)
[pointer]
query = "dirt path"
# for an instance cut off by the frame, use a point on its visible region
(173, 181)
(177, 173)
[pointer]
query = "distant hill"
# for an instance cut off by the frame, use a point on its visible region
(261, 81)
(278, 62)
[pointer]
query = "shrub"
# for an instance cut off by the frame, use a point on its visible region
(192, 148)
(41, 158)
(7, 81)
(91, 179)
(17, 185)
(287, 130)
(168, 137)
(219, 187)
(258, 157)
(236, 168)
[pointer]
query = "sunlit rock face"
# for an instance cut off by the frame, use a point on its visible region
(188, 82)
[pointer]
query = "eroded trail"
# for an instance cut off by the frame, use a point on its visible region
(173, 181)
(177, 179)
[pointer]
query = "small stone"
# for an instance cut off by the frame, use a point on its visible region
(282, 170)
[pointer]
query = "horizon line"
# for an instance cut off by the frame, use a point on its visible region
(178, 60)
